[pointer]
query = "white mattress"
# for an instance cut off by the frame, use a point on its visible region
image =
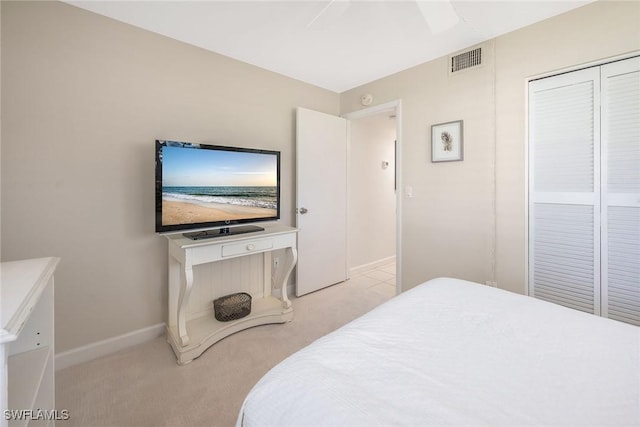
(451, 352)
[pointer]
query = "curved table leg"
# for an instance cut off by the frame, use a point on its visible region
(293, 259)
(185, 294)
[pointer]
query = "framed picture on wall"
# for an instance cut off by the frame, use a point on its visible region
(446, 142)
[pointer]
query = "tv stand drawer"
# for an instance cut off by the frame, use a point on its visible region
(247, 247)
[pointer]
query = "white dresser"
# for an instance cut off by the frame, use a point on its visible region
(27, 381)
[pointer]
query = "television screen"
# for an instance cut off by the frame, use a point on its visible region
(201, 186)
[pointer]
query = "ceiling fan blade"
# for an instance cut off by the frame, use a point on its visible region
(439, 15)
(333, 10)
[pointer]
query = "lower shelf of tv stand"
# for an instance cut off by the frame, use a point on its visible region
(206, 330)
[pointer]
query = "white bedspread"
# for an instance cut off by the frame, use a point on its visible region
(451, 352)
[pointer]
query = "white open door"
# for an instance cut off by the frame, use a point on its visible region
(321, 176)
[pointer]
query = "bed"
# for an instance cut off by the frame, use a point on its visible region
(452, 352)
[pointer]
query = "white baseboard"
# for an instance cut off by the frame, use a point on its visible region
(291, 291)
(105, 347)
(370, 266)
(291, 286)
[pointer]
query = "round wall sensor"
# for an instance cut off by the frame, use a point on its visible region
(366, 99)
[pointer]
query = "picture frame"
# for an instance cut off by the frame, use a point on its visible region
(447, 142)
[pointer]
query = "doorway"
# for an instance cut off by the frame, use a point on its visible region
(371, 197)
(373, 194)
(315, 132)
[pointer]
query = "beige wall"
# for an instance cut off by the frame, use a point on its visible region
(449, 226)
(447, 223)
(84, 97)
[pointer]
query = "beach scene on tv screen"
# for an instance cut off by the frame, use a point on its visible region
(202, 185)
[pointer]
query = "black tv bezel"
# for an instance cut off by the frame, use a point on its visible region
(211, 225)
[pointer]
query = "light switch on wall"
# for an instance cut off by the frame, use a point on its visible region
(408, 191)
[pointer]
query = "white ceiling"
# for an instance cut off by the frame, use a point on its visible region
(337, 45)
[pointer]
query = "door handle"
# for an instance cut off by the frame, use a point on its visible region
(303, 211)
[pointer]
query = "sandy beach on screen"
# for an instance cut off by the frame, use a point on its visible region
(183, 212)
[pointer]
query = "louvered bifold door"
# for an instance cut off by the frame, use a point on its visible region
(621, 190)
(564, 193)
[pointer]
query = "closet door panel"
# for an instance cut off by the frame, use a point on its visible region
(622, 280)
(621, 190)
(563, 153)
(621, 126)
(564, 255)
(564, 191)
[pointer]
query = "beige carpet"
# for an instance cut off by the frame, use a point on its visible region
(143, 385)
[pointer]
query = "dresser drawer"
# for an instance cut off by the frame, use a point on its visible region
(247, 247)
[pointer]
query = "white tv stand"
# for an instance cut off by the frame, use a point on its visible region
(190, 338)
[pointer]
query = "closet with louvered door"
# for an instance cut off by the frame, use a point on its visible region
(621, 190)
(584, 190)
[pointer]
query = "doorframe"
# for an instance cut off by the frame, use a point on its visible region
(394, 107)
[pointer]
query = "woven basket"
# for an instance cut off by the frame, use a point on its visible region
(232, 307)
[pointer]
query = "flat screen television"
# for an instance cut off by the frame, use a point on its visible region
(214, 189)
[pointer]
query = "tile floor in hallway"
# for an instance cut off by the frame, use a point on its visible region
(381, 279)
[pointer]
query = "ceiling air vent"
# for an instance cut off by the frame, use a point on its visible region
(462, 61)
